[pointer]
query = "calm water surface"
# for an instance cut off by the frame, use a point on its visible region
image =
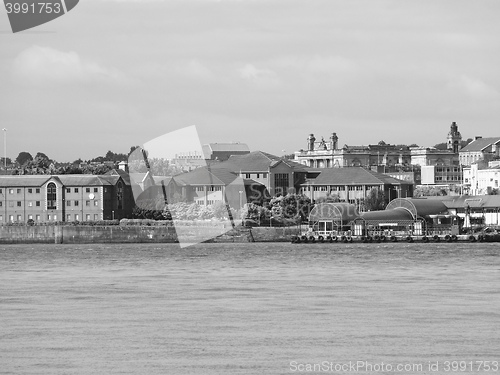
(246, 308)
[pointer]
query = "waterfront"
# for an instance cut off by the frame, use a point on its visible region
(244, 308)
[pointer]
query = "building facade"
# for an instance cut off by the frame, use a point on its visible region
(352, 185)
(43, 198)
(485, 149)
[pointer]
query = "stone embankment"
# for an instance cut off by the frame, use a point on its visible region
(69, 234)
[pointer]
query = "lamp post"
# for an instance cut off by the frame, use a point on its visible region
(5, 148)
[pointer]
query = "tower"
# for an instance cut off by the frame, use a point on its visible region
(454, 138)
(334, 140)
(310, 142)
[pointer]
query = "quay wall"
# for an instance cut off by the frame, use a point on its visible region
(68, 234)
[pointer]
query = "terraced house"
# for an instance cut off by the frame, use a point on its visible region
(44, 198)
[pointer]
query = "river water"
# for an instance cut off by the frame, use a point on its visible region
(249, 308)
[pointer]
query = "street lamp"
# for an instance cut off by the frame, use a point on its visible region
(5, 148)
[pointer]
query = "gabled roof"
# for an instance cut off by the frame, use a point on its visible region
(478, 201)
(480, 144)
(352, 176)
(87, 180)
(256, 161)
(206, 176)
(23, 180)
(119, 172)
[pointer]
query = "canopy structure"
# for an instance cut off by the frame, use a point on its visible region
(397, 214)
(341, 213)
(418, 206)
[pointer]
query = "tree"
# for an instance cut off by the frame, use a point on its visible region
(41, 155)
(375, 200)
(291, 206)
(330, 198)
(429, 191)
(23, 157)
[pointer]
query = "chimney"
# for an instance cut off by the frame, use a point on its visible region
(123, 166)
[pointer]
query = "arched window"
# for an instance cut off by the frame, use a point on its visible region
(51, 196)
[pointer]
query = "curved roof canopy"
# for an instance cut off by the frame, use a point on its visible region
(344, 212)
(397, 214)
(418, 206)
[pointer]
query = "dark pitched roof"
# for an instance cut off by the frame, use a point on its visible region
(352, 176)
(480, 144)
(206, 176)
(87, 180)
(119, 172)
(23, 180)
(478, 201)
(256, 161)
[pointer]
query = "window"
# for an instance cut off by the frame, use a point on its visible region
(264, 175)
(76, 190)
(96, 190)
(281, 181)
(96, 217)
(77, 217)
(87, 203)
(1, 203)
(30, 191)
(87, 217)
(37, 191)
(1, 191)
(55, 217)
(30, 217)
(68, 203)
(11, 191)
(68, 190)
(37, 217)
(199, 188)
(51, 196)
(76, 203)
(119, 195)
(49, 217)
(18, 191)
(19, 218)
(30, 204)
(68, 217)
(87, 190)
(37, 203)
(11, 218)
(96, 203)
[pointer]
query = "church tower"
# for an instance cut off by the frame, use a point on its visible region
(454, 138)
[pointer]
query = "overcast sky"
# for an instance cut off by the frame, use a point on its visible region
(112, 74)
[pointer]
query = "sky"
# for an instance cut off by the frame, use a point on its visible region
(113, 74)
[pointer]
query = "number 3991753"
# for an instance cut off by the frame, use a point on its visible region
(33, 8)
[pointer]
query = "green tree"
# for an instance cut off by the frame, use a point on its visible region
(375, 200)
(23, 158)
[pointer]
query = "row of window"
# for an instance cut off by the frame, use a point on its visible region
(77, 203)
(19, 191)
(38, 203)
(255, 175)
(211, 188)
(339, 188)
(50, 217)
(37, 190)
(20, 203)
(87, 190)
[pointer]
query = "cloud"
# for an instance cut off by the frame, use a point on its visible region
(264, 78)
(43, 65)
